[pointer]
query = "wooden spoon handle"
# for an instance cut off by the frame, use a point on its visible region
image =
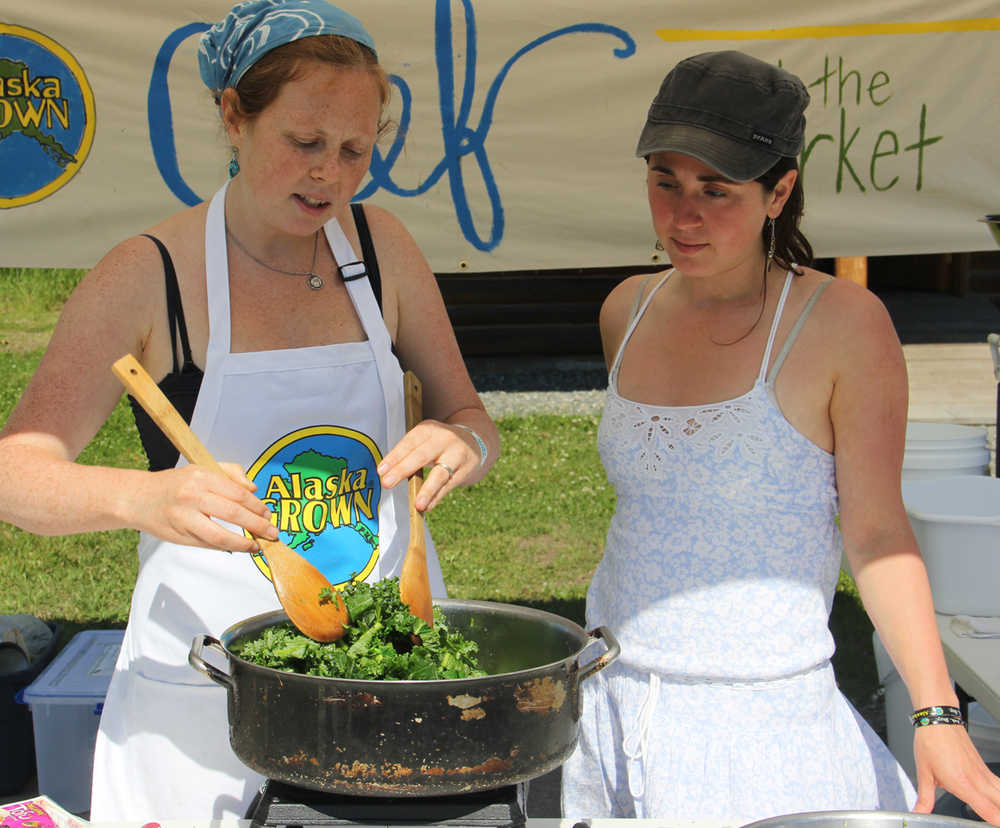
(414, 581)
(414, 402)
(141, 386)
(148, 394)
(296, 581)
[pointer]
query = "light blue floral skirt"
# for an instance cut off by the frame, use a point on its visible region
(655, 747)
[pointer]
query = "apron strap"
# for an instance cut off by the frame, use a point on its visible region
(389, 372)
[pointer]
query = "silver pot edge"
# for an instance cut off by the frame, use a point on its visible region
(261, 621)
(863, 819)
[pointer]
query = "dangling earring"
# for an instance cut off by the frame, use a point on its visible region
(770, 251)
(658, 245)
(234, 163)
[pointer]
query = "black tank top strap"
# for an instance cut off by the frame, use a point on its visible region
(175, 310)
(368, 251)
(180, 386)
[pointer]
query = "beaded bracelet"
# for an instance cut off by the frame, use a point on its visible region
(483, 451)
(939, 714)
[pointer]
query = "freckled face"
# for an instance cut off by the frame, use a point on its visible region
(707, 223)
(304, 157)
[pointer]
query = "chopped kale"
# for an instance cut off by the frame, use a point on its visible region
(382, 642)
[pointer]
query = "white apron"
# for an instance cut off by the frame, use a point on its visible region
(309, 425)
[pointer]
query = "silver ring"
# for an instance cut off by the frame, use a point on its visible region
(446, 467)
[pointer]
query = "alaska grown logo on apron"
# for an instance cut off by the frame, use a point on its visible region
(321, 485)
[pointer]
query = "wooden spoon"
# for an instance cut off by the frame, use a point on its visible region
(414, 583)
(296, 581)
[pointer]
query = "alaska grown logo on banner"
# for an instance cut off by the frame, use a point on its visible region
(321, 485)
(47, 116)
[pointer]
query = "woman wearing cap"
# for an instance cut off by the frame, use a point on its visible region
(754, 424)
(273, 333)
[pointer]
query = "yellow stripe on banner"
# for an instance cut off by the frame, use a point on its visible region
(974, 24)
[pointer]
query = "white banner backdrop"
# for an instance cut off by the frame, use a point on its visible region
(518, 122)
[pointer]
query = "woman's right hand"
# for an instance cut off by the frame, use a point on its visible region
(184, 506)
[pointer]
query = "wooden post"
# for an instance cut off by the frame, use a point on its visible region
(960, 276)
(852, 268)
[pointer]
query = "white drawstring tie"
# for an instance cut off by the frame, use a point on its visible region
(635, 745)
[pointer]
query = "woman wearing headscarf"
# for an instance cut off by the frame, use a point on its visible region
(277, 318)
(753, 432)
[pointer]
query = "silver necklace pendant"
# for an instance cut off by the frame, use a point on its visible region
(313, 279)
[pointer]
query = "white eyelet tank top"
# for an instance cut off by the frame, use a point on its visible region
(722, 557)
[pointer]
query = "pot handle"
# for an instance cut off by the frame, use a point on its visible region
(599, 663)
(202, 666)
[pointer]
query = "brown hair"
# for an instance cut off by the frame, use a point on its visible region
(262, 82)
(791, 247)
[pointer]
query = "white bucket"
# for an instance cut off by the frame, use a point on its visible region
(946, 465)
(944, 450)
(943, 435)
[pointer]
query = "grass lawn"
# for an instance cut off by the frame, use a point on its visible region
(530, 533)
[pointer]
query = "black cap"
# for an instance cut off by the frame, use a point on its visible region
(732, 111)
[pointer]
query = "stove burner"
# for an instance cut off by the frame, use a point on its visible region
(279, 805)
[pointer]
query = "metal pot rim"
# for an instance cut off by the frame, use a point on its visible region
(863, 819)
(268, 619)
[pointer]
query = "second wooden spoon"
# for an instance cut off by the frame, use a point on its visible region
(414, 583)
(296, 581)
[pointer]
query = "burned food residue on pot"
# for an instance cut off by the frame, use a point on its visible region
(378, 643)
(540, 696)
(469, 706)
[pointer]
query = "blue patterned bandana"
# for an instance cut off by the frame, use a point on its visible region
(255, 27)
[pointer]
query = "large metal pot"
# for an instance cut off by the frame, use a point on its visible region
(415, 738)
(864, 819)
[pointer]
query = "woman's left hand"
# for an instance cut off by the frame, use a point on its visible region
(946, 758)
(450, 452)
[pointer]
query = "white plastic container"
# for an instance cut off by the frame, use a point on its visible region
(944, 450)
(957, 523)
(66, 702)
(984, 731)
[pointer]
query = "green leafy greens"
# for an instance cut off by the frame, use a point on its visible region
(383, 641)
